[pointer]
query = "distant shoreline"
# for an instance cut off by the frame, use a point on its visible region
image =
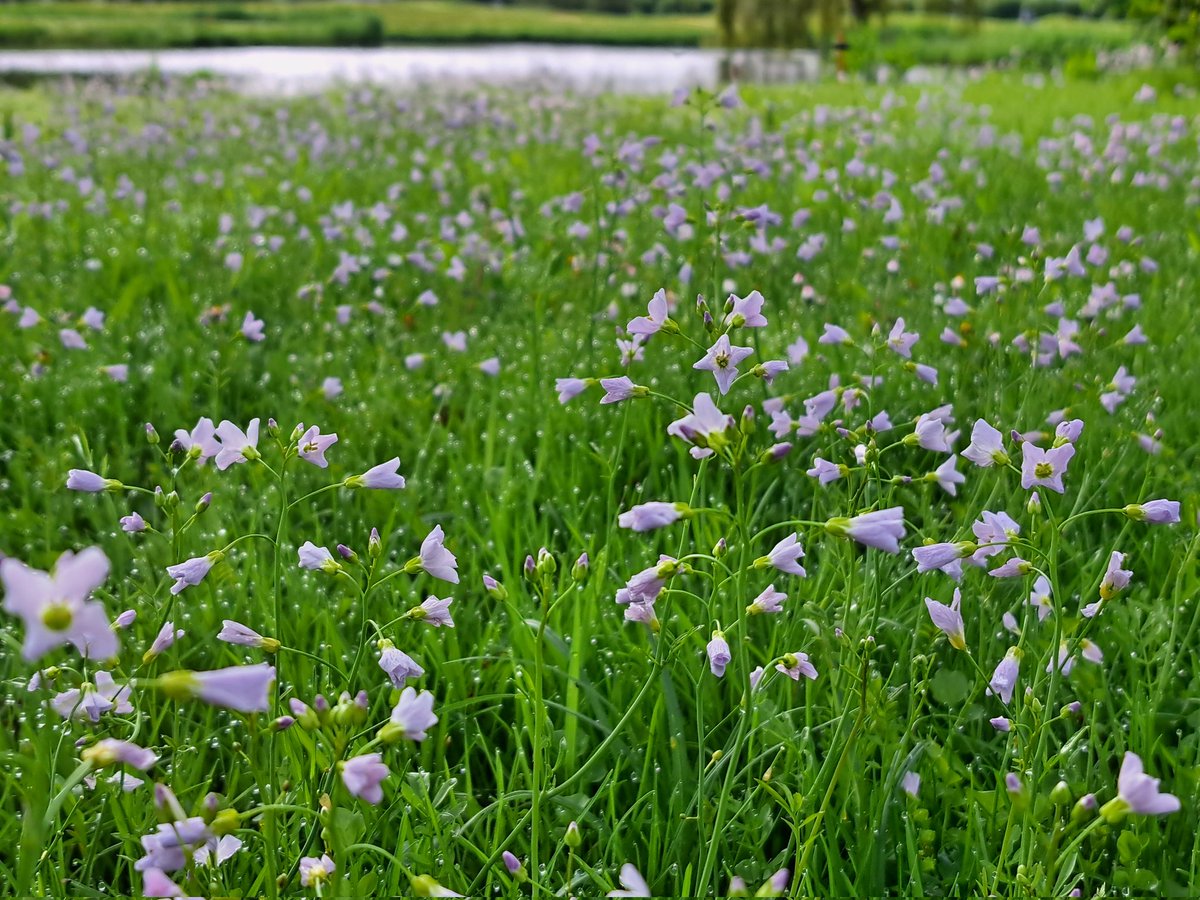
(906, 39)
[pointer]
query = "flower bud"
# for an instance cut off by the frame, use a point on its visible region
(573, 839)
(721, 549)
(579, 571)
(151, 435)
(495, 589)
(374, 544)
(346, 553)
(204, 503)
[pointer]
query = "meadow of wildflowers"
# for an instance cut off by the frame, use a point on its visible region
(515, 492)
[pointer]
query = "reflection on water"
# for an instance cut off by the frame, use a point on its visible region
(303, 69)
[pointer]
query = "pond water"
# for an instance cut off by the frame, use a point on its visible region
(653, 70)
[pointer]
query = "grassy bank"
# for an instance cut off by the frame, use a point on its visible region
(904, 40)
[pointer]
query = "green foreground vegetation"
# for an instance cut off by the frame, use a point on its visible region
(423, 275)
(904, 39)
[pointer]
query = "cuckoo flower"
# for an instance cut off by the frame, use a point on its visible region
(411, 717)
(1137, 793)
(1045, 468)
(90, 482)
(1004, 679)
(881, 529)
(769, 601)
(397, 664)
(648, 516)
(704, 427)
(632, 883)
(55, 606)
(722, 360)
(363, 776)
(1154, 512)
(201, 441)
(312, 446)
(434, 558)
(793, 665)
(949, 620)
(718, 653)
(987, 446)
(315, 871)
(746, 312)
(383, 477)
(191, 572)
(236, 446)
(783, 557)
(657, 317)
(242, 688)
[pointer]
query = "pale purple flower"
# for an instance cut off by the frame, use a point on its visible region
(133, 523)
(825, 471)
(413, 714)
(456, 340)
(1154, 512)
(243, 635)
(1040, 597)
(648, 516)
(315, 870)
(632, 882)
(191, 572)
(881, 529)
(718, 653)
(1045, 468)
(363, 775)
(947, 476)
(1139, 792)
(656, 316)
(1013, 568)
(618, 389)
(722, 360)
(490, 366)
(242, 688)
(163, 641)
(435, 611)
(511, 863)
(55, 608)
(381, 477)
(987, 446)
(90, 701)
(29, 318)
(312, 446)
(252, 328)
(902, 341)
(796, 664)
(931, 433)
(645, 586)
(157, 883)
(746, 311)
(910, 783)
(237, 446)
(946, 557)
(1115, 578)
(118, 372)
(948, 619)
(783, 557)
(703, 427)
(769, 601)
(1068, 431)
(569, 388)
(109, 752)
(398, 665)
(89, 482)
(435, 559)
(414, 361)
(1000, 723)
(1004, 678)
(202, 438)
(331, 388)
(72, 339)
(834, 335)
(218, 851)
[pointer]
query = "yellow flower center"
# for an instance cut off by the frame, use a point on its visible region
(1043, 470)
(57, 616)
